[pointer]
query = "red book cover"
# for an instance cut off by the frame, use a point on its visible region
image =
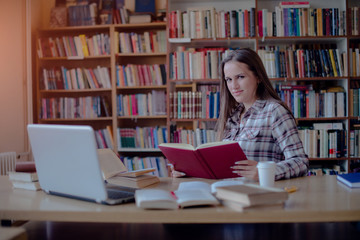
(260, 23)
(327, 22)
(25, 166)
(141, 73)
(152, 42)
(246, 23)
(211, 160)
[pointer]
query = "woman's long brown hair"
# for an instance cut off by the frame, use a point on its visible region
(264, 91)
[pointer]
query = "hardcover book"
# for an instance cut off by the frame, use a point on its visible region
(23, 176)
(252, 194)
(244, 208)
(209, 160)
(351, 180)
(35, 186)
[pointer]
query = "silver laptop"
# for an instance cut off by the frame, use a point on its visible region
(67, 164)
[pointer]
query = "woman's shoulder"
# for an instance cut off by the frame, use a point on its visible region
(275, 106)
(272, 104)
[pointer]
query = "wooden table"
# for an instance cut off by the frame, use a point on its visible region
(318, 199)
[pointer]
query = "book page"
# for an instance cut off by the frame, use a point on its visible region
(155, 199)
(229, 182)
(136, 173)
(197, 185)
(195, 197)
(110, 163)
(178, 145)
(212, 144)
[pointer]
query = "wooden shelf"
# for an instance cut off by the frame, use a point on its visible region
(140, 54)
(74, 58)
(76, 119)
(142, 117)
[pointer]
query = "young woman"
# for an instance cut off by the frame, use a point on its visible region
(252, 113)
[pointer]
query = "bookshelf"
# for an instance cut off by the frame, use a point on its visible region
(117, 64)
(354, 78)
(298, 39)
(186, 79)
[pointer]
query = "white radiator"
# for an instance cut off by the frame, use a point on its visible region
(7, 162)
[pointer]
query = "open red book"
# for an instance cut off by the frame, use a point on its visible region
(209, 160)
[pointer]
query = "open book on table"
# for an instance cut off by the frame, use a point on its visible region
(188, 194)
(209, 160)
(116, 173)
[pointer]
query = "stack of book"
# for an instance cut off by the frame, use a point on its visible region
(251, 197)
(116, 173)
(25, 176)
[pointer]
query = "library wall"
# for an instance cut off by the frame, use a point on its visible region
(12, 76)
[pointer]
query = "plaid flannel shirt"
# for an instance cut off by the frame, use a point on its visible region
(267, 132)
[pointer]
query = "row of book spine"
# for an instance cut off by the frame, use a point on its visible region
(326, 170)
(193, 105)
(57, 78)
(136, 163)
(104, 137)
(354, 143)
(140, 75)
(209, 23)
(146, 42)
(120, 15)
(324, 142)
(142, 104)
(78, 46)
(194, 63)
(82, 14)
(303, 61)
(69, 108)
(354, 60)
(283, 21)
(194, 137)
(141, 137)
(354, 16)
(306, 102)
(303, 21)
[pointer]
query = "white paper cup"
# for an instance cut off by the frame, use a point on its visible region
(266, 173)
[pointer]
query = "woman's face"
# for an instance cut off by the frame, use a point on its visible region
(241, 82)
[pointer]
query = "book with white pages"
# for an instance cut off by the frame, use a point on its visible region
(23, 176)
(188, 194)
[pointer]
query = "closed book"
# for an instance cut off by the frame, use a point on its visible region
(351, 180)
(23, 176)
(140, 18)
(203, 161)
(26, 166)
(244, 208)
(134, 182)
(26, 185)
(251, 194)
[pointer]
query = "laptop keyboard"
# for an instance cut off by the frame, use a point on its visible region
(116, 194)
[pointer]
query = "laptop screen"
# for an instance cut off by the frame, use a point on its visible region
(66, 160)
